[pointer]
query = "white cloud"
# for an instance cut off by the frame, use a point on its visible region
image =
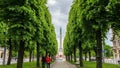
(51, 2)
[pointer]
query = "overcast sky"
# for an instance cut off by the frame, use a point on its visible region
(59, 10)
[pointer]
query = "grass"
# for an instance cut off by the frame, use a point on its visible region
(93, 65)
(86, 65)
(25, 65)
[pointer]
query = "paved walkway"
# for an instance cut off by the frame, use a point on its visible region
(62, 64)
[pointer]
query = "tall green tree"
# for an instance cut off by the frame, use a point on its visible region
(3, 39)
(92, 23)
(19, 15)
(29, 20)
(94, 19)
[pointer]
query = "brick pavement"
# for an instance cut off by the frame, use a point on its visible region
(62, 64)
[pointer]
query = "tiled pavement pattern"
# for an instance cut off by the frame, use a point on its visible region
(63, 64)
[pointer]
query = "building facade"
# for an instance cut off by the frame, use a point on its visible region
(116, 47)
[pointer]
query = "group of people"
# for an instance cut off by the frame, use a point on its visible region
(46, 61)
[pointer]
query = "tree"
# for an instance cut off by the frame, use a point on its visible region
(3, 38)
(10, 51)
(44, 29)
(18, 15)
(74, 30)
(108, 51)
(92, 18)
(90, 23)
(29, 21)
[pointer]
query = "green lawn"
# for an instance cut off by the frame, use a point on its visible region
(93, 65)
(86, 65)
(25, 65)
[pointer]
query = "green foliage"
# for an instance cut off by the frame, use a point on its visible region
(29, 21)
(114, 9)
(108, 51)
(14, 54)
(86, 17)
(74, 31)
(3, 33)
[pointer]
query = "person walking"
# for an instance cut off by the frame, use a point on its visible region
(48, 60)
(43, 61)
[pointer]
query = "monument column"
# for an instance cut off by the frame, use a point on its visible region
(60, 45)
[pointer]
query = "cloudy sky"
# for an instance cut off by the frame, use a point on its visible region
(59, 10)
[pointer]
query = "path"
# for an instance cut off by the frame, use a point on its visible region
(62, 64)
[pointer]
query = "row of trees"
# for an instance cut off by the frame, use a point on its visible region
(26, 26)
(89, 21)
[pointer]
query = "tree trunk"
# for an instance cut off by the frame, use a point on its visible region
(89, 55)
(30, 55)
(33, 56)
(99, 48)
(80, 55)
(4, 56)
(85, 56)
(46, 53)
(38, 56)
(71, 57)
(74, 53)
(10, 52)
(68, 57)
(21, 54)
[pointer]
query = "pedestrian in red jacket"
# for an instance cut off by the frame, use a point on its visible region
(48, 60)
